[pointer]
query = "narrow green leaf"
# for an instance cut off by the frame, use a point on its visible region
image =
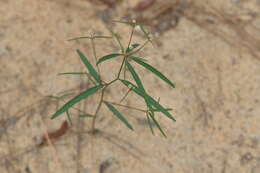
(75, 100)
(85, 116)
(157, 124)
(152, 69)
(88, 37)
(125, 70)
(149, 122)
(142, 90)
(119, 115)
(137, 80)
(73, 73)
(77, 38)
(90, 68)
(135, 76)
(148, 98)
(159, 107)
(146, 34)
(117, 37)
(141, 59)
(107, 57)
(60, 97)
(132, 47)
(101, 36)
(157, 110)
(53, 97)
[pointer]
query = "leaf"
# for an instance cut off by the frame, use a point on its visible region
(117, 37)
(159, 107)
(149, 122)
(135, 76)
(145, 33)
(77, 38)
(88, 37)
(101, 36)
(132, 47)
(137, 79)
(157, 124)
(107, 57)
(148, 98)
(156, 110)
(119, 115)
(90, 68)
(60, 97)
(76, 99)
(141, 59)
(73, 73)
(85, 116)
(152, 69)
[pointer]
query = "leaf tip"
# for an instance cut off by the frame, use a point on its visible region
(53, 116)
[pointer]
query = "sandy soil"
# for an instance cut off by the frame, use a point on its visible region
(210, 49)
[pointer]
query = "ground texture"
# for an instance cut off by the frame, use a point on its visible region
(210, 49)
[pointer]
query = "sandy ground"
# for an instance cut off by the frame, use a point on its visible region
(211, 53)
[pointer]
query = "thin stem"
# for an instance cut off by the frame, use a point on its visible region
(131, 36)
(125, 95)
(97, 110)
(90, 78)
(118, 40)
(149, 122)
(94, 51)
(121, 67)
(112, 81)
(131, 53)
(68, 116)
(124, 72)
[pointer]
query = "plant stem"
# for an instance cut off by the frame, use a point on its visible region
(97, 110)
(131, 36)
(90, 78)
(124, 72)
(134, 52)
(121, 67)
(125, 95)
(94, 51)
(112, 82)
(118, 40)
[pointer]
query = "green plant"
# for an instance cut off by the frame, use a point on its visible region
(95, 76)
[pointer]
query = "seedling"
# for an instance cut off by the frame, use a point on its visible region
(93, 74)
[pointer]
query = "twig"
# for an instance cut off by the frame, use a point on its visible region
(53, 150)
(56, 134)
